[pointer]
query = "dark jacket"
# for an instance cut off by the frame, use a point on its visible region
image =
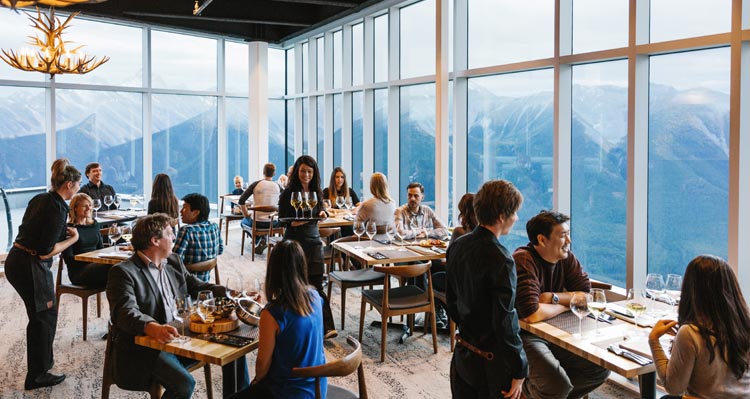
(134, 301)
(99, 193)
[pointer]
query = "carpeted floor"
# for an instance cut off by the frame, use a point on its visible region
(410, 370)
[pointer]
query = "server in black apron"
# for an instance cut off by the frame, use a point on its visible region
(305, 179)
(42, 235)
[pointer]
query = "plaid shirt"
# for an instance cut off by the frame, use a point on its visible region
(198, 242)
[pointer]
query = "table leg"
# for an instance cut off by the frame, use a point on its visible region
(647, 383)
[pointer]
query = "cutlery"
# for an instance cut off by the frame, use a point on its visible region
(641, 360)
(602, 318)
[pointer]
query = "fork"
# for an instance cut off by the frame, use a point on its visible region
(641, 360)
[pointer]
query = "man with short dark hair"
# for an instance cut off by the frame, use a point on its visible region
(96, 188)
(414, 211)
(489, 360)
(198, 238)
(548, 276)
(265, 192)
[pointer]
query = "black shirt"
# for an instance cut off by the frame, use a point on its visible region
(352, 194)
(481, 295)
(43, 223)
(99, 192)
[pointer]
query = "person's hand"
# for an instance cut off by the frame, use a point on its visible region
(322, 214)
(161, 332)
(515, 389)
(72, 232)
(661, 327)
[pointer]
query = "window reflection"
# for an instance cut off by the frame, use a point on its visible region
(276, 138)
(182, 61)
(417, 140)
(20, 167)
(237, 141)
(358, 54)
(380, 121)
(238, 69)
(417, 39)
(357, 144)
(381, 48)
(337, 105)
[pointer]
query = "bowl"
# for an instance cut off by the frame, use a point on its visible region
(224, 307)
(248, 311)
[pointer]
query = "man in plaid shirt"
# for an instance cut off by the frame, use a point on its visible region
(198, 239)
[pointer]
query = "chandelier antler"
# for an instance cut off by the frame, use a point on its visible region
(53, 3)
(51, 55)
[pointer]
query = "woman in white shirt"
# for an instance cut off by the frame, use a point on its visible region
(381, 207)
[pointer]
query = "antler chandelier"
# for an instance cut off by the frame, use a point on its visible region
(53, 3)
(50, 54)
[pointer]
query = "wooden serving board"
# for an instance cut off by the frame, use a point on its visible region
(218, 326)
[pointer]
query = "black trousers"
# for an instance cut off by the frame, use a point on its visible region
(317, 282)
(40, 332)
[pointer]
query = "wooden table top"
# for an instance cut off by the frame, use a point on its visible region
(411, 254)
(107, 255)
(335, 221)
(199, 349)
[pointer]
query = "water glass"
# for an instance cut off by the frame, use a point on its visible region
(597, 305)
(181, 312)
(579, 306)
(108, 201)
(428, 226)
(371, 229)
(348, 203)
(359, 229)
(114, 234)
(390, 231)
(655, 288)
(96, 205)
(326, 205)
(117, 202)
(673, 288)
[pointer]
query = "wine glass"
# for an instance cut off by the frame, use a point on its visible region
(114, 234)
(414, 224)
(654, 288)
(348, 203)
(636, 303)
(305, 203)
(234, 287)
(400, 232)
(597, 305)
(181, 313)
(326, 205)
(127, 233)
(296, 202)
(428, 226)
(340, 202)
(579, 306)
(96, 205)
(673, 287)
(206, 306)
(117, 202)
(390, 231)
(371, 229)
(133, 201)
(359, 229)
(108, 201)
(312, 202)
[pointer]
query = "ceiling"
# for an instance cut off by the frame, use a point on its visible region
(272, 21)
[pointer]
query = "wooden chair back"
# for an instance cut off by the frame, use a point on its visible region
(338, 368)
(204, 266)
(256, 231)
(80, 291)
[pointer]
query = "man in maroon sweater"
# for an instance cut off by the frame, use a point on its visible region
(548, 275)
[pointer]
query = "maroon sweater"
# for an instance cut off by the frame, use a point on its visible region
(536, 275)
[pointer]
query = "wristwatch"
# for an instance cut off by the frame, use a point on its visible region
(555, 298)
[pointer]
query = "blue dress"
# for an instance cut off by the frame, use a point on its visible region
(298, 344)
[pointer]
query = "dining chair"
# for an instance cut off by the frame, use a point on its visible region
(227, 216)
(440, 297)
(327, 235)
(403, 300)
(204, 266)
(365, 277)
(254, 231)
(155, 390)
(338, 368)
(80, 291)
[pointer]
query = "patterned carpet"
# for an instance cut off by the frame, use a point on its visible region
(410, 370)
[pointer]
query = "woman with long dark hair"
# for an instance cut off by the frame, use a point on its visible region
(87, 274)
(711, 353)
(339, 187)
(163, 199)
(290, 329)
(466, 216)
(305, 178)
(42, 234)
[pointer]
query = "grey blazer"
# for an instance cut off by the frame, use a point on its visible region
(134, 301)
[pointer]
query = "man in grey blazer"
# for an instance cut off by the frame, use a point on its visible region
(141, 293)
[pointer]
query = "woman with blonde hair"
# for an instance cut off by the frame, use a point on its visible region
(89, 239)
(380, 207)
(42, 235)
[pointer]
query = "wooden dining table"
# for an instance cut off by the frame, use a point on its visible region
(119, 216)
(107, 255)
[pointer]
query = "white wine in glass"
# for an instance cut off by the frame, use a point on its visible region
(597, 305)
(636, 303)
(579, 306)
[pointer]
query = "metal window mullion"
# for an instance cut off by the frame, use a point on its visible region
(442, 49)
(562, 146)
(147, 112)
(221, 120)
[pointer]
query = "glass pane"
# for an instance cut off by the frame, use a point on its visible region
(510, 137)
(358, 54)
(338, 58)
(599, 168)
(184, 143)
(357, 143)
(104, 127)
(380, 121)
(417, 39)
(238, 68)
(289, 136)
(276, 138)
(237, 141)
(677, 19)
(381, 48)
(337, 110)
(321, 63)
(321, 133)
(182, 62)
(291, 82)
(14, 29)
(599, 25)
(275, 73)
(417, 143)
(305, 67)
(123, 44)
(506, 31)
(305, 127)
(23, 128)
(688, 160)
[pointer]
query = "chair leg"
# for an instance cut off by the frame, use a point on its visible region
(209, 385)
(362, 320)
(98, 304)
(343, 305)
(155, 390)
(252, 247)
(85, 306)
(452, 328)
(242, 245)
(383, 331)
(216, 274)
(433, 326)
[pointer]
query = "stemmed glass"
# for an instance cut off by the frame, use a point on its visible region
(133, 201)
(326, 205)
(114, 234)
(414, 224)
(427, 227)
(371, 229)
(181, 313)
(312, 201)
(305, 203)
(296, 202)
(117, 202)
(400, 232)
(597, 305)
(340, 202)
(359, 229)
(390, 231)
(235, 289)
(127, 233)
(654, 288)
(673, 287)
(108, 201)
(96, 204)
(348, 203)
(206, 306)
(636, 303)
(579, 306)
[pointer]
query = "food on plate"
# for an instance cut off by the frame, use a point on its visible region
(431, 242)
(125, 248)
